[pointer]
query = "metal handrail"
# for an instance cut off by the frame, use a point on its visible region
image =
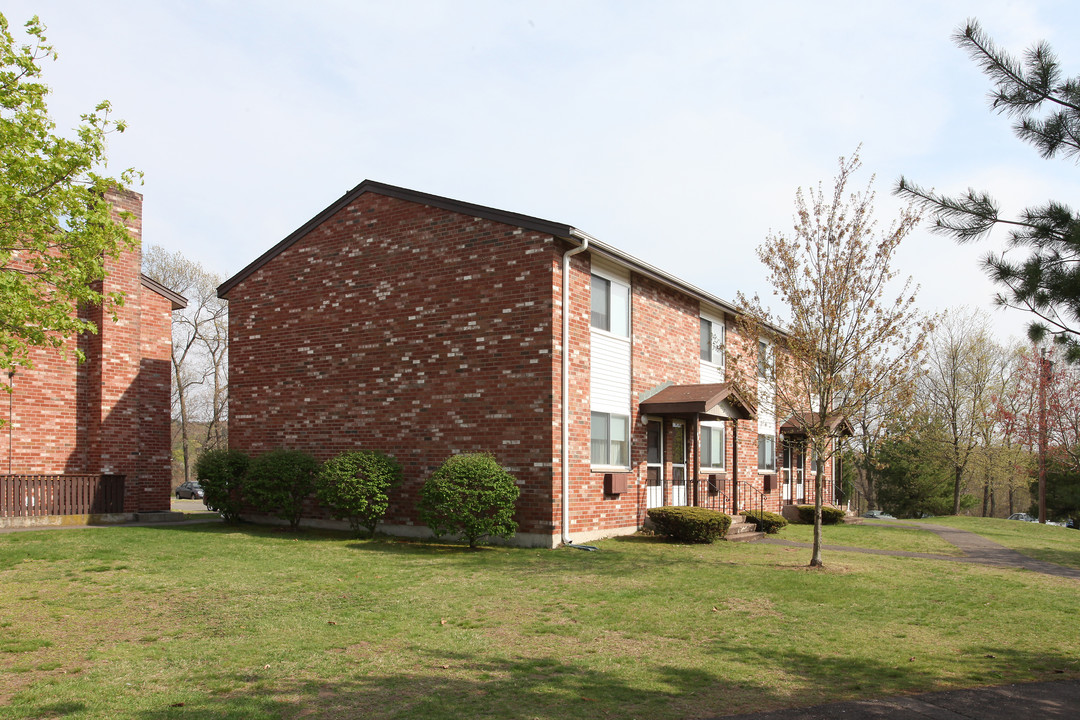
(753, 494)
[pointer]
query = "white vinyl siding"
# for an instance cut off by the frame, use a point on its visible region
(609, 367)
(609, 370)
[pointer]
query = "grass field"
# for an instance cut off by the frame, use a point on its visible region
(873, 536)
(212, 621)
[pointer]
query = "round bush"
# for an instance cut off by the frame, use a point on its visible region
(470, 495)
(221, 474)
(769, 523)
(278, 483)
(690, 524)
(829, 515)
(353, 486)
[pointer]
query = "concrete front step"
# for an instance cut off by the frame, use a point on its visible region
(742, 531)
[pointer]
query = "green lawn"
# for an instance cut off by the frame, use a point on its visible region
(210, 621)
(874, 536)
(1042, 542)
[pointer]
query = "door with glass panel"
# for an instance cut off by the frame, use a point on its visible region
(678, 463)
(798, 457)
(654, 465)
(786, 471)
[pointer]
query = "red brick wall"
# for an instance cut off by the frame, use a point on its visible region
(403, 328)
(88, 418)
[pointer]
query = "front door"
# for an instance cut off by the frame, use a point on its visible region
(654, 465)
(786, 473)
(678, 462)
(798, 457)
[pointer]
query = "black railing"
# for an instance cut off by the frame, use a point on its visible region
(707, 494)
(750, 498)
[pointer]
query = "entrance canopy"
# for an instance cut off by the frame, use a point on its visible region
(716, 401)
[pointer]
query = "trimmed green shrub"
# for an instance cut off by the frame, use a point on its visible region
(278, 483)
(353, 486)
(470, 495)
(221, 474)
(829, 515)
(690, 524)
(766, 522)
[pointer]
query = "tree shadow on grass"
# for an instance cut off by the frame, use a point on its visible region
(449, 685)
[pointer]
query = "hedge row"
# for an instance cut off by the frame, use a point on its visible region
(690, 524)
(469, 495)
(766, 522)
(829, 515)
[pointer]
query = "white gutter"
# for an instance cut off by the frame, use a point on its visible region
(564, 457)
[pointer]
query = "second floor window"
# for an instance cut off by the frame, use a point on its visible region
(610, 306)
(766, 453)
(712, 342)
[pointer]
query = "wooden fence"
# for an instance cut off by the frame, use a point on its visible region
(40, 495)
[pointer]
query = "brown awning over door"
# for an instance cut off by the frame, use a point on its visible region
(718, 401)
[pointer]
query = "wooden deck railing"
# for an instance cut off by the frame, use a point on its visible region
(40, 495)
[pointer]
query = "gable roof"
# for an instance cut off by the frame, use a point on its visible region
(527, 222)
(720, 400)
(179, 302)
(561, 230)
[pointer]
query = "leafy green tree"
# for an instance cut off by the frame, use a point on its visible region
(354, 486)
(914, 477)
(221, 473)
(1047, 111)
(56, 224)
(470, 495)
(278, 482)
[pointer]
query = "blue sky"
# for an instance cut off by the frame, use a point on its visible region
(676, 131)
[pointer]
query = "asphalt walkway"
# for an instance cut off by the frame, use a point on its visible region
(976, 549)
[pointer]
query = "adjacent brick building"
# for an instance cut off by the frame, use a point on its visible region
(422, 326)
(110, 414)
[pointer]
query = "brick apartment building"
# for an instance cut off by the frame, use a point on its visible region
(421, 326)
(108, 416)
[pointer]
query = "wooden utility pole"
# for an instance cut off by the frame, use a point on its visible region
(1043, 365)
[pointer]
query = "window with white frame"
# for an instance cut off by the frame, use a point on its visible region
(610, 440)
(763, 359)
(766, 453)
(712, 342)
(712, 445)
(610, 306)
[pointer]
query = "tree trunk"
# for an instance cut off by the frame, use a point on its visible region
(956, 491)
(815, 558)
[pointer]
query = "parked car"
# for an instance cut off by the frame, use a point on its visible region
(879, 514)
(191, 490)
(1024, 517)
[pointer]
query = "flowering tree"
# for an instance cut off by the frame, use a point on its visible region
(848, 333)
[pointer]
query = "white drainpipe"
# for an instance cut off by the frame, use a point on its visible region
(565, 447)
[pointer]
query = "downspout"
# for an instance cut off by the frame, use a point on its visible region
(564, 456)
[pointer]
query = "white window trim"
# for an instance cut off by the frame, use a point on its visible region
(723, 445)
(629, 440)
(766, 471)
(614, 281)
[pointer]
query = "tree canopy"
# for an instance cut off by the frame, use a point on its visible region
(56, 225)
(1046, 107)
